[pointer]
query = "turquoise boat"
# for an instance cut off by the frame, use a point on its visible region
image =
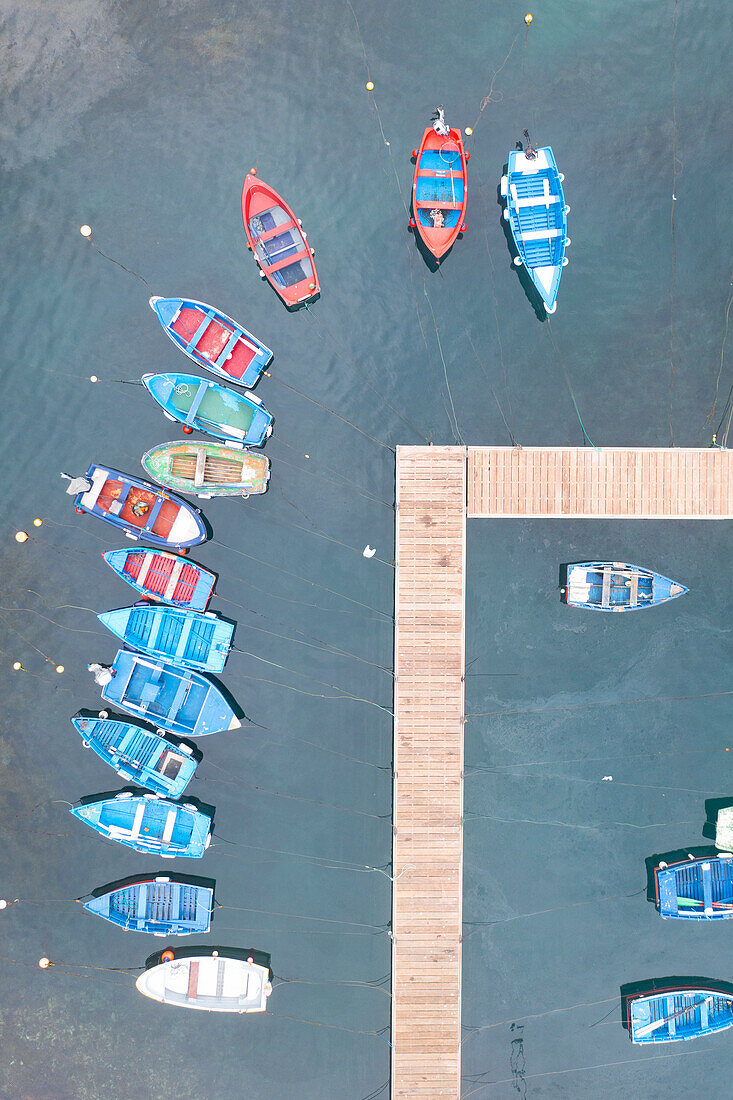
(696, 889)
(678, 1010)
(195, 402)
(164, 905)
(147, 758)
(617, 586)
(147, 823)
(183, 637)
(177, 699)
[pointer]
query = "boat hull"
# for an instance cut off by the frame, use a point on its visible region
(617, 586)
(162, 576)
(278, 243)
(440, 182)
(218, 979)
(182, 637)
(146, 758)
(537, 216)
(195, 402)
(164, 905)
(141, 510)
(212, 340)
(207, 469)
(149, 824)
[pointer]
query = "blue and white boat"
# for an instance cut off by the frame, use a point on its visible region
(148, 824)
(177, 699)
(696, 889)
(164, 905)
(617, 586)
(138, 508)
(213, 340)
(680, 1011)
(241, 419)
(210, 979)
(148, 758)
(538, 218)
(183, 637)
(160, 575)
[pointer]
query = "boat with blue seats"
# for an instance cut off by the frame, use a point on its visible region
(617, 586)
(210, 979)
(278, 243)
(138, 508)
(160, 575)
(190, 638)
(679, 1011)
(241, 419)
(147, 757)
(148, 823)
(213, 340)
(162, 905)
(176, 699)
(538, 218)
(440, 186)
(696, 889)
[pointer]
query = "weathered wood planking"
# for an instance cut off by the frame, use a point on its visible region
(601, 483)
(428, 765)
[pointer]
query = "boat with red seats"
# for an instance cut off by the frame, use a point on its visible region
(278, 243)
(159, 575)
(439, 187)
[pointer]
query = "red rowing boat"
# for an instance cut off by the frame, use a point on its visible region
(439, 190)
(278, 243)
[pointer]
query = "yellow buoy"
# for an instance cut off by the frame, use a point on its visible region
(59, 669)
(21, 536)
(370, 85)
(37, 522)
(18, 666)
(469, 131)
(86, 230)
(44, 963)
(528, 18)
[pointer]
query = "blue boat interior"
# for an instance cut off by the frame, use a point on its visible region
(166, 696)
(620, 593)
(136, 744)
(439, 189)
(279, 247)
(160, 903)
(696, 887)
(120, 814)
(540, 218)
(686, 1015)
(154, 629)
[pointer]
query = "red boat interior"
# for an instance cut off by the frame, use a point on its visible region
(213, 341)
(136, 508)
(156, 580)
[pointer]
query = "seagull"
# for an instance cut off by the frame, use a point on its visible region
(368, 551)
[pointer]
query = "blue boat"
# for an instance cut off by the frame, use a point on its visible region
(150, 759)
(183, 637)
(240, 419)
(176, 699)
(160, 575)
(148, 824)
(617, 586)
(164, 905)
(138, 508)
(680, 1011)
(212, 339)
(696, 889)
(538, 218)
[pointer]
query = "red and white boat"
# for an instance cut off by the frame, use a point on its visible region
(278, 243)
(439, 187)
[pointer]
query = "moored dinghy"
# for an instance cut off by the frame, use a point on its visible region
(207, 469)
(617, 586)
(241, 419)
(696, 889)
(159, 575)
(212, 339)
(148, 824)
(164, 905)
(538, 218)
(183, 637)
(439, 186)
(177, 699)
(211, 979)
(278, 243)
(679, 1011)
(137, 508)
(148, 758)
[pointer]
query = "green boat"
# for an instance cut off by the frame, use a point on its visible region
(207, 469)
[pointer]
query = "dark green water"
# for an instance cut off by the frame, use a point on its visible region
(142, 119)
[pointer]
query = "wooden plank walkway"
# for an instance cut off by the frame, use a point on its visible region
(428, 772)
(612, 482)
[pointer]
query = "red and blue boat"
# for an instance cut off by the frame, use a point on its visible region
(278, 243)
(439, 187)
(159, 575)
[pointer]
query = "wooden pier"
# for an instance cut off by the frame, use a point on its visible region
(437, 489)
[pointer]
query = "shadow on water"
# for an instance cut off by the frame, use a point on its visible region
(712, 808)
(679, 855)
(167, 875)
(519, 269)
(659, 985)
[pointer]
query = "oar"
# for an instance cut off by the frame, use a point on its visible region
(649, 1028)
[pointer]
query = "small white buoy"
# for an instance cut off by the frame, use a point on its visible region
(44, 963)
(368, 551)
(469, 131)
(3, 903)
(21, 536)
(86, 231)
(93, 378)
